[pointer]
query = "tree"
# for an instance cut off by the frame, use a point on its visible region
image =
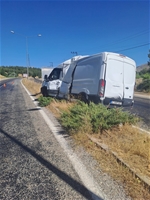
(2, 72)
(9, 70)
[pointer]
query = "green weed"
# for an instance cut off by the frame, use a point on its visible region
(44, 101)
(98, 117)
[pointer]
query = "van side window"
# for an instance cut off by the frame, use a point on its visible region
(87, 69)
(55, 74)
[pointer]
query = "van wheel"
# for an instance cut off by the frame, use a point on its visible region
(44, 91)
(83, 97)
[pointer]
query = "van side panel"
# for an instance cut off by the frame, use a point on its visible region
(86, 76)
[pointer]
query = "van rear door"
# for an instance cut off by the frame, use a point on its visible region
(119, 79)
(129, 79)
(114, 78)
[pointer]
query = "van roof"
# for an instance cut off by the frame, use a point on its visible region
(104, 54)
(69, 61)
(111, 53)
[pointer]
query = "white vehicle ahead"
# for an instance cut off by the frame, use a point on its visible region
(52, 83)
(107, 78)
(44, 71)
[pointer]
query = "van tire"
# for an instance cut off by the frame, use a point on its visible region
(84, 97)
(44, 91)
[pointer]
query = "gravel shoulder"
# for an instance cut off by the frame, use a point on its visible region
(142, 95)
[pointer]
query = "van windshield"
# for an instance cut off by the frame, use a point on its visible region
(55, 74)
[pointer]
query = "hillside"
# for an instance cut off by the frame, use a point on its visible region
(141, 67)
(143, 78)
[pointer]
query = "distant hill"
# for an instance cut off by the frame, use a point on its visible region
(141, 67)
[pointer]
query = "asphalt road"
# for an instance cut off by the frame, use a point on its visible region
(6, 80)
(141, 109)
(32, 163)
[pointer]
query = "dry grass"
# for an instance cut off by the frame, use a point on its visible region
(132, 145)
(58, 106)
(33, 87)
(138, 81)
(2, 77)
(133, 186)
(129, 143)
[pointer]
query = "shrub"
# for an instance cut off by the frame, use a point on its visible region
(44, 101)
(98, 117)
(146, 76)
(138, 76)
(144, 86)
(73, 119)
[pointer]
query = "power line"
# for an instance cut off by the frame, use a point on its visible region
(125, 38)
(134, 35)
(134, 47)
(128, 38)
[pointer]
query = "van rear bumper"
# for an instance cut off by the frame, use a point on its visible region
(112, 101)
(128, 102)
(118, 102)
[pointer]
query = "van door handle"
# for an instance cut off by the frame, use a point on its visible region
(127, 88)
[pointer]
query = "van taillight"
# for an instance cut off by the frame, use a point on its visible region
(102, 87)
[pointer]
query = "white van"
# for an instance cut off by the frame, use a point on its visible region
(52, 83)
(107, 78)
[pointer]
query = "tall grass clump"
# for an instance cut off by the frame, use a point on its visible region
(98, 117)
(74, 119)
(44, 101)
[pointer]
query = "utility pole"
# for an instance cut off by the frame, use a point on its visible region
(51, 64)
(149, 57)
(27, 54)
(74, 52)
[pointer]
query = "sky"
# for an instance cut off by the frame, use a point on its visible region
(72, 27)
